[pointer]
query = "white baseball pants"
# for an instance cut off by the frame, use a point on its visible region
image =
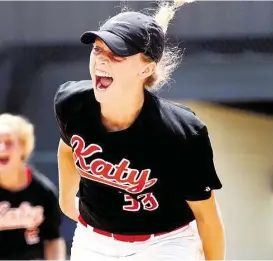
(182, 244)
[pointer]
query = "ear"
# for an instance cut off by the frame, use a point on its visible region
(147, 70)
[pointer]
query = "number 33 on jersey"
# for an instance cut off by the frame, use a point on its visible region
(146, 201)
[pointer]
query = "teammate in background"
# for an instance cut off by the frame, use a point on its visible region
(30, 217)
(145, 165)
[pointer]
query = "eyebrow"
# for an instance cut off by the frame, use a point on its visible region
(108, 50)
(102, 47)
(100, 43)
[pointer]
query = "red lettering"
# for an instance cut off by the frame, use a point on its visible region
(148, 202)
(99, 170)
(137, 182)
(134, 206)
(141, 182)
(80, 152)
(121, 169)
(101, 167)
(101, 180)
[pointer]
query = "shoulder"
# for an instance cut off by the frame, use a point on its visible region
(71, 99)
(45, 184)
(179, 117)
(71, 93)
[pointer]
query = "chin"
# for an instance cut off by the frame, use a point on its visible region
(103, 96)
(4, 168)
(100, 97)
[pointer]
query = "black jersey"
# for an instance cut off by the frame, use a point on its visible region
(137, 180)
(24, 244)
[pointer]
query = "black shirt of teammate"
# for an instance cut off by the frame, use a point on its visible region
(21, 244)
(137, 180)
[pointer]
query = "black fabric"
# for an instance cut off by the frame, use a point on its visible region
(41, 191)
(167, 143)
(203, 178)
(129, 33)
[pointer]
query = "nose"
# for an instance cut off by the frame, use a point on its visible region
(3, 146)
(102, 59)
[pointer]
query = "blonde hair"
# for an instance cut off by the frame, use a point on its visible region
(23, 128)
(171, 55)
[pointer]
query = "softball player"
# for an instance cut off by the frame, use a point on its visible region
(143, 166)
(30, 216)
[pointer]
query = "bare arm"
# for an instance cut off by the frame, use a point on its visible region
(210, 227)
(68, 181)
(55, 249)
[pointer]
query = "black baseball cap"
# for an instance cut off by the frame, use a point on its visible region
(129, 33)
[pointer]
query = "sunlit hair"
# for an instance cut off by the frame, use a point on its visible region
(171, 55)
(23, 129)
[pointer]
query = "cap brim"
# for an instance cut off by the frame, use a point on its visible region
(115, 43)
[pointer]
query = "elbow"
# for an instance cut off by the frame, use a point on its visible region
(63, 206)
(69, 209)
(66, 203)
(66, 210)
(216, 225)
(210, 220)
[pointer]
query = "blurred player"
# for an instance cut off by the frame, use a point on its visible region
(30, 217)
(145, 165)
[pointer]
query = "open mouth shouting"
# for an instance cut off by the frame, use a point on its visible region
(103, 80)
(4, 160)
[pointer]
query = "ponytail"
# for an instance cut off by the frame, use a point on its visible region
(166, 12)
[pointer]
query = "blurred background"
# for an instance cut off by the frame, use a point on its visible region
(226, 77)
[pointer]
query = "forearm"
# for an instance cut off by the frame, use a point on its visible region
(213, 240)
(55, 249)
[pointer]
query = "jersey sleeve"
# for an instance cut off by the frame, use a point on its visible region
(203, 177)
(60, 110)
(69, 104)
(63, 135)
(53, 217)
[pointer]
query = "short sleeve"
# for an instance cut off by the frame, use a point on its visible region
(69, 105)
(60, 111)
(202, 173)
(53, 217)
(63, 135)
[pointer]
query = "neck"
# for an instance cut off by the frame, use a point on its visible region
(120, 115)
(14, 179)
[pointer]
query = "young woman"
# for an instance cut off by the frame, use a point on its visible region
(143, 166)
(30, 216)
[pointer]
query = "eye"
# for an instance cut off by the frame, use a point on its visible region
(97, 50)
(117, 58)
(7, 143)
